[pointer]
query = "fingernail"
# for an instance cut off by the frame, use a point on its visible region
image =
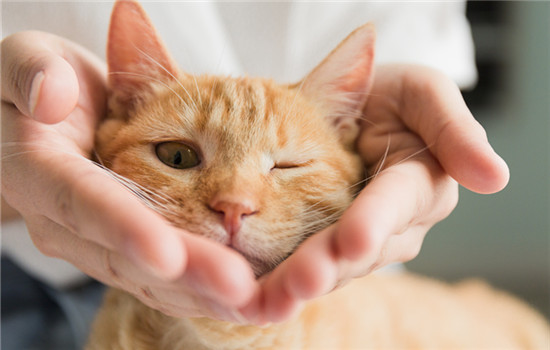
(36, 86)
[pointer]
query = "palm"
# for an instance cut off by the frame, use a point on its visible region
(418, 137)
(75, 211)
(386, 139)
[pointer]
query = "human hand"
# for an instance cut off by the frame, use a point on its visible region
(418, 140)
(53, 97)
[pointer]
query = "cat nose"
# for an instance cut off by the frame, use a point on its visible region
(234, 211)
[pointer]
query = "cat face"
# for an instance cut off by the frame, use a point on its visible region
(247, 162)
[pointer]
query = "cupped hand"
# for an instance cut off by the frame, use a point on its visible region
(53, 97)
(418, 141)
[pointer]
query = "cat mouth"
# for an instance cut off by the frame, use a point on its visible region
(259, 266)
(265, 262)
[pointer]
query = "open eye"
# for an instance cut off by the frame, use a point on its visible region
(177, 155)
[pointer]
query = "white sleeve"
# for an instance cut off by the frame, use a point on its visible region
(434, 33)
(17, 244)
(86, 23)
(444, 42)
(193, 31)
(82, 22)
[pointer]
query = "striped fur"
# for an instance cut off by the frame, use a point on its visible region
(244, 129)
(286, 153)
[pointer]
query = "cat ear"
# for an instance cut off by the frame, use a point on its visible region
(136, 56)
(341, 82)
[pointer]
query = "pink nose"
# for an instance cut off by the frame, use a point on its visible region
(234, 211)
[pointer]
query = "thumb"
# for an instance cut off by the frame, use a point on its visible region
(36, 78)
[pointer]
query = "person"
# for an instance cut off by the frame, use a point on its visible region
(53, 96)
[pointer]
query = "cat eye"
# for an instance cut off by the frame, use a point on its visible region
(289, 165)
(285, 166)
(177, 155)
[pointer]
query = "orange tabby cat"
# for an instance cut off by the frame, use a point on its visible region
(259, 166)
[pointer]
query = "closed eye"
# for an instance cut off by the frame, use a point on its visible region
(290, 165)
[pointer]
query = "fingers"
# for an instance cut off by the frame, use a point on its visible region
(79, 196)
(94, 207)
(94, 222)
(106, 214)
(224, 273)
(34, 75)
(431, 105)
(216, 283)
(477, 167)
(39, 77)
(411, 193)
(410, 107)
(199, 292)
(385, 224)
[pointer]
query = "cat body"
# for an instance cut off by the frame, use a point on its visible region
(382, 311)
(259, 167)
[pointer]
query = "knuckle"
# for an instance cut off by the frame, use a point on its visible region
(448, 197)
(428, 79)
(436, 207)
(45, 247)
(146, 292)
(411, 252)
(170, 310)
(70, 199)
(412, 242)
(38, 231)
(422, 80)
(112, 275)
(63, 201)
(382, 258)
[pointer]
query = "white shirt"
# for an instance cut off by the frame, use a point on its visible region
(281, 40)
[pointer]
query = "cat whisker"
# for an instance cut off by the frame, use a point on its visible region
(327, 196)
(295, 97)
(143, 76)
(217, 70)
(355, 94)
(319, 209)
(197, 88)
(39, 148)
(311, 213)
(151, 59)
(383, 159)
(212, 88)
(381, 169)
(318, 224)
(156, 200)
(423, 149)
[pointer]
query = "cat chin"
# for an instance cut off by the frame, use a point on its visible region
(259, 266)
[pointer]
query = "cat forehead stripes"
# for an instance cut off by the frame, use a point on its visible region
(248, 162)
(238, 115)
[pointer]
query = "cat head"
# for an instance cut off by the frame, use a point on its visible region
(250, 163)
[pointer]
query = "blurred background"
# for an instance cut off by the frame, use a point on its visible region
(505, 237)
